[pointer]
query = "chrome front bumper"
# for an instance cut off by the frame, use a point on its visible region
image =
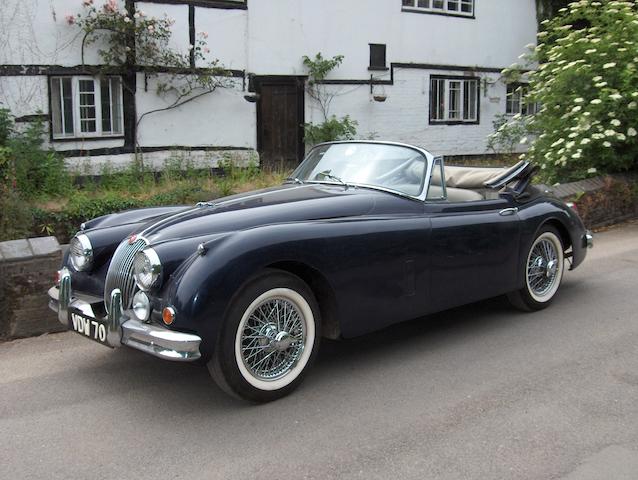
(122, 330)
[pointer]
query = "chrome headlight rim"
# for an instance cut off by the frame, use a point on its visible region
(81, 252)
(147, 269)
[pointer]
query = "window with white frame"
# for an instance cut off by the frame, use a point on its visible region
(454, 100)
(515, 100)
(86, 107)
(450, 7)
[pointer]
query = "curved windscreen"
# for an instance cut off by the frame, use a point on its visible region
(372, 164)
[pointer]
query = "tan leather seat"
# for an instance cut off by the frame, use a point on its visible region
(455, 194)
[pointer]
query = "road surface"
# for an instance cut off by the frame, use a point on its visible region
(480, 392)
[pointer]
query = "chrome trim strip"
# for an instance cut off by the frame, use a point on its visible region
(588, 239)
(64, 296)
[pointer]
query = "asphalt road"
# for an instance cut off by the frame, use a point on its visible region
(480, 392)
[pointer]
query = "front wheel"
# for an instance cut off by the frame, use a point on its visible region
(269, 339)
(543, 270)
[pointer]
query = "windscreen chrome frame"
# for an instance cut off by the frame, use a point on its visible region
(424, 184)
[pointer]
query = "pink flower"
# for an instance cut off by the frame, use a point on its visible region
(204, 34)
(206, 50)
(70, 19)
(110, 6)
(86, 3)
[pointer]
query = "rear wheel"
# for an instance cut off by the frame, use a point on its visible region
(543, 270)
(269, 340)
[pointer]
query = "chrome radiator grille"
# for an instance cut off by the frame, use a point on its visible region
(120, 273)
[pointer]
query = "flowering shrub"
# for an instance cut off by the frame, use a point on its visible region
(587, 86)
(137, 39)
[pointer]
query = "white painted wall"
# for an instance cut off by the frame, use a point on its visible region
(221, 118)
(269, 38)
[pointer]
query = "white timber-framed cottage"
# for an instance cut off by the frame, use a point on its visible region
(425, 72)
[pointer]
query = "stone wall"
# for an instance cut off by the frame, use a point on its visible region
(27, 270)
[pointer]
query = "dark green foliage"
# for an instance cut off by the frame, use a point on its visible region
(330, 130)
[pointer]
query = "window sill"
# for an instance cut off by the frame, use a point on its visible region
(378, 69)
(228, 5)
(92, 139)
(454, 122)
(444, 14)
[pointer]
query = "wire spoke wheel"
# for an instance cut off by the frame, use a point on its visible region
(273, 338)
(544, 268)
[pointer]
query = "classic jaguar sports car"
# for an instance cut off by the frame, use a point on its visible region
(361, 236)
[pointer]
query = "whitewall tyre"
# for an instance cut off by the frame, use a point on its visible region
(543, 271)
(269, 339)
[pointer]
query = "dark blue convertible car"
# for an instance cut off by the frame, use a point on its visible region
(361, 236)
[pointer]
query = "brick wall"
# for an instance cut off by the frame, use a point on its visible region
(27, 269)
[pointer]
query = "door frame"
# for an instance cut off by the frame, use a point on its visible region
(298, 81)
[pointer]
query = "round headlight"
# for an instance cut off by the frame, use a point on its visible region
(147, 269)
(81, 252)
(141, 306)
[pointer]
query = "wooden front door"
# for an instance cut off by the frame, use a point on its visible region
(280, 118)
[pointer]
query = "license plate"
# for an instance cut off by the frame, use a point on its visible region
(89, 327)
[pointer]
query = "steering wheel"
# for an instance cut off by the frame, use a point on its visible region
(397, 169)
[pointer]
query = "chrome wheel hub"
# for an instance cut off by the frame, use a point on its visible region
(273, 339)
(542, 268)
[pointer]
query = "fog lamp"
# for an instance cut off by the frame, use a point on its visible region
(141, 306)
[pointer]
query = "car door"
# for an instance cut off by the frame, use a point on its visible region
(474, 250)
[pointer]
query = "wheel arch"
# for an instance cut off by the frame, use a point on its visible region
(565, 237)
(322, 290)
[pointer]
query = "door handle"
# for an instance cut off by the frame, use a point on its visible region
(508, 211)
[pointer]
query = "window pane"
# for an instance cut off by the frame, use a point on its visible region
(437, 99)
(377, 55)
(466, 6)
(470, 97)
(408, 3)
(105, 102)
(116, 104)
(87, 106)
(438, 4)
(454, 101)
(435, 188)
(67, 104)
(453, 5)
(423, 3)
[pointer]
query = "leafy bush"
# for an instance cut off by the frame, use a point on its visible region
(330, 130)
(586, 84)
(25, 165)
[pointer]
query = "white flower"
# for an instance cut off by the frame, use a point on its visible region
(586, 114)
(576, 155)
(126, 19)
(137, 15)
(591, 170)
(621, 137)
(591, 50)
(632, 105)
(596, 101)
(615, 96)
(579, 100)
(523, 140)
(610, 133)
(597, 136)
(597, 78)
(573, 135)
(635, 94)
(577, 108)
(609, 65)
(615, 122)
(585, 141)
(631, 132)
(606, 144)
(601, 84)
(569, 145)
(558, 142)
